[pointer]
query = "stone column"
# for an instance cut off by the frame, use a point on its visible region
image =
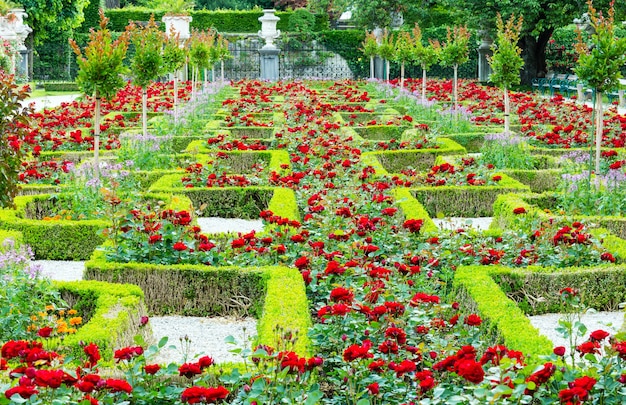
(484, 50)
(269, 53)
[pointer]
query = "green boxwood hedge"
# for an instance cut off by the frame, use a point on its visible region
(538, 180)
(15, 236)
(465, 201)
(230, 21)
(111, 316)
(421, 159)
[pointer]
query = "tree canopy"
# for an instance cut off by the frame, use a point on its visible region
(48, 18)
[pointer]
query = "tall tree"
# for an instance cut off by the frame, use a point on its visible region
(48, 18)
(599, 65)
(541, 18)
(100, 71)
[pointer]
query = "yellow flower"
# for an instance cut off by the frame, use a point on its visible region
(34, 317)
(77, 320)
(62, 312)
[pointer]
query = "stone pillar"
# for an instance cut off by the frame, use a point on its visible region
(269, 63)
(269, 52)
(484, 50)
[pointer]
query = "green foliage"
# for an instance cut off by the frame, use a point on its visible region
(386, 49)
(231, 21)
(476, 289)
(11, 113)
(600, 65)
(412, 209)
(200, 49)
(62, 86)
(51, 18)
(201, 290)
(421, 159)
(506, 61)
(172, 7)
(455, 51)
(147, 60)
(346, 43)
(101, 66)
(301, 21)
(370, 45)
(404, 47)
(425, 55)
(174, 56)
(506, 152)
(111, 313)
(465, 201)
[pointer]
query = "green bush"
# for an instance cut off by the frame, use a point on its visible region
(111, 316)
(412, 209)
(419, 159)
(228, 21)
(538, 180)
(15, 236)
(465, 201)
(60, 86)
(189, 290)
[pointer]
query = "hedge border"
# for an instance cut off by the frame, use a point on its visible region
(116, 318)
(63, 239)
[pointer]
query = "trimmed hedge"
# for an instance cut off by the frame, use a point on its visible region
(60, 239)
(230, 21)
(52, 240)
(503, 319)
(285, 308)
(381, 132)
(15, 236)
(191, 290)
(536, 204)
(465, 201)
(61, 86)
(412, 209)
(420, 159)
(112, 314)
(538, 180)
(472, 142)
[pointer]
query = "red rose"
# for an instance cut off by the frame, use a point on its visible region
(471, 370)
(24, 391)
(118, 386)
(151, 368)
(519, 210)
(179, 246)
(473, 320)
(189, 370)
(196, 395)
(598, 335)
(559, 350)
(49, 378)
(373, 388)
(93, 353)
(205, 361)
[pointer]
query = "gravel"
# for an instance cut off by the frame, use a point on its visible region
(226, 225)
(61, 270)
(203, 336)
(453, 223)
(611, 322)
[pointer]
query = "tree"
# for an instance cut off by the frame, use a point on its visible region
(404, 52)
(200, 45)
(147, 61)
(222, 53)
(599, 64)
(541, 18)
(506, 61)
(425, 56)
(454, 52)
(52, 17)
(100, 70)
(370, 50)
(333, 8)
(378, 13)
(14, 124)
(386, 50)
(174, 58)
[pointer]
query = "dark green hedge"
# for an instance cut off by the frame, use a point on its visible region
(61, 86)
(464, 201)
(420, 159)
(230, 21)
(381, 132)
(189, 290)
(538, 180)
(348, 44)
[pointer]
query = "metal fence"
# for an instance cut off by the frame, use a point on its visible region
(298, 59)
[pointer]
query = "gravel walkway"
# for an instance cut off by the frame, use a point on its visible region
(610, 322)
(61, 270)
(225, 225)
(453, 223)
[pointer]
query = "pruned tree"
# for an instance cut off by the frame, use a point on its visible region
(100, 70)
(506, 61)
(174, 58)
(370, 49)
(147, 62)
(425, 56)
(599, 63)
(454, 52)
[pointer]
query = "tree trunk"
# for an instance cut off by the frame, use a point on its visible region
(222, 67)
(599, 129)
(507, 112)
(371, 68)
(144, 111)
(455, 86)
(96, 136)
(423, 84)
(534, 55)
(402, 76)
(175, 96)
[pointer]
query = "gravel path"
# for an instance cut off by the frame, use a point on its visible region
(204, 336)
(608, 321)
(453, 223)
(225, 225)
(61, 270)
(50, 101)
